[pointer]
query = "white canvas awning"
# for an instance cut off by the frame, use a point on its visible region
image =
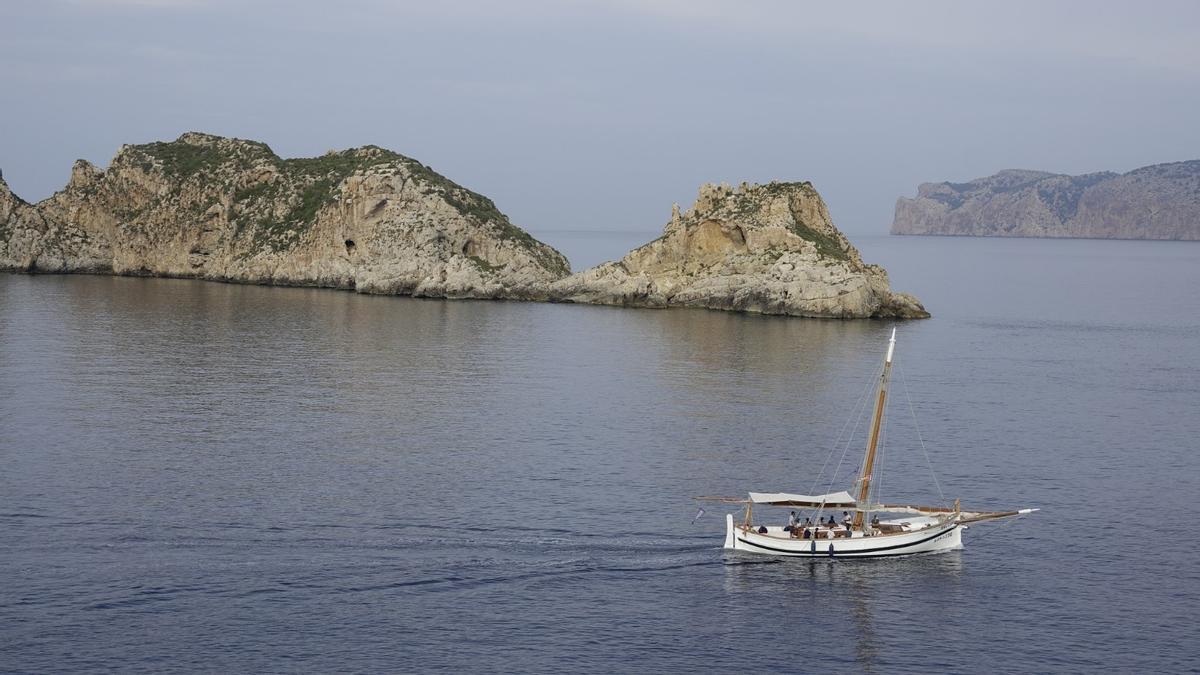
(832, 500)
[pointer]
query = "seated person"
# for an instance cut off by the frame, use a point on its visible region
(762, 529)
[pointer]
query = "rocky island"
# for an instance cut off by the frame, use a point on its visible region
(226, 209)
(374, 221)
(1161, 201)
(769, 249)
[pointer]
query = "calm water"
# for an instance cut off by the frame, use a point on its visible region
(201, 476)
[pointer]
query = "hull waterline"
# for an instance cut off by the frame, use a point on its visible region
(943, 537)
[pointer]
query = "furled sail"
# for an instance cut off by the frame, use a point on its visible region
(911, 508)
(832, 500)
(963, 516)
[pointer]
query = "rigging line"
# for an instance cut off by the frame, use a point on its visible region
(920, 436)
(858, 415)
(836, 443)
(855, 416)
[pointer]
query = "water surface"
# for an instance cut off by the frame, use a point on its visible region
(202, 476)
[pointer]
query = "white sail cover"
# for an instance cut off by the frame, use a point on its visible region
(832, 500)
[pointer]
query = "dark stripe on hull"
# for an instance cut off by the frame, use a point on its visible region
(865, 553)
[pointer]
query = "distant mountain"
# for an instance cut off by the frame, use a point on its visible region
(1161, 201)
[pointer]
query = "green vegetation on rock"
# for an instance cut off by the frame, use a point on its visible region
(546, 256)
(182, 159)
(484, 265)
(746, 206)
(342, 164)
(273, 202)
(826, 245)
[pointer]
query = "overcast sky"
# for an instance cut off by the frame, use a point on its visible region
(599, 115)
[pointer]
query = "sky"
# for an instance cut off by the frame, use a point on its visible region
(577, 115)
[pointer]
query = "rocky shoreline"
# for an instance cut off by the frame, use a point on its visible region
(768, 249)
(374, 221)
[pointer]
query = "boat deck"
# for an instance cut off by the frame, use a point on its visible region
(883, 529)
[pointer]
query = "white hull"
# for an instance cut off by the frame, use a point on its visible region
(938, 537)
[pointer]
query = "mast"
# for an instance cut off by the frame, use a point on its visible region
(864, 491)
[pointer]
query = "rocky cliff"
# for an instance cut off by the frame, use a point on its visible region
(770, 249)
(374, 221)
(232, 210)
(1155, 202)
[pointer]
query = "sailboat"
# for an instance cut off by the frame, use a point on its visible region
(873, 531)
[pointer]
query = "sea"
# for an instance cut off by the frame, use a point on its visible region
(206, 477)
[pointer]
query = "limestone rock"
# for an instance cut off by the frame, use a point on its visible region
(1161, 201)
(32, 242)
(374, 221)
(770, 249)
(231, 210)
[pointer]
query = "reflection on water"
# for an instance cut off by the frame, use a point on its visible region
(746, 572)
(850, 594)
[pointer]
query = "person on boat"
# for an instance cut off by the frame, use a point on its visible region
(807, 534)
(791, 522)
(832, 521)
(846, 519)
(874, 521)
(762, 529)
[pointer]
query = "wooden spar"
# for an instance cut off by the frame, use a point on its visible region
(993, 515)
(864, 492)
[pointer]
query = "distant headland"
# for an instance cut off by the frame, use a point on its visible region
(374, 221)
(1161, 201)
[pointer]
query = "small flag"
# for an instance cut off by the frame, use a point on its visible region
(698, 514)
